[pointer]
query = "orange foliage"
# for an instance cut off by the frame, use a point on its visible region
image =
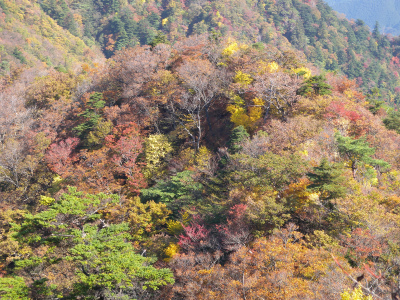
(281, 267)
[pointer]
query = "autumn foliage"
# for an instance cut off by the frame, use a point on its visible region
(205, 169)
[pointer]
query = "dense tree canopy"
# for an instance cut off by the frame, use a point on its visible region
(213, 166)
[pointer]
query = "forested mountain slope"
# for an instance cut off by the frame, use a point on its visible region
(214, 163)
(330, 42)
(386, 12)
(30, 38)
(209, 168)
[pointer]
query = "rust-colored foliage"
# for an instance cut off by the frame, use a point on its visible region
(281, 267)
(112, 168)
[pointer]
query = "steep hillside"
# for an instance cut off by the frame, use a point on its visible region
(311, 26)
(219, 153)
(206, 169)
(386, 12)
(30, 38)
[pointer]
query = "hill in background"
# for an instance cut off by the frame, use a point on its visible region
(386, 12)
(31, 38)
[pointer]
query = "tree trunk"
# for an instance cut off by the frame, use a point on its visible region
(354, 169)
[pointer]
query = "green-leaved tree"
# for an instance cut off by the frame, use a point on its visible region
(357, 152)
(102, 262)
(392, 121)
(315, 85)
(328, 180)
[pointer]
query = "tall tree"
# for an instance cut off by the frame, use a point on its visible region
(328, 180)
(203, 82)
(358, 152)
(278, 91)
(238, 135)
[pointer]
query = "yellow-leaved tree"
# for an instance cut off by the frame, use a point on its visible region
(303, 71)
(356, 294)
(157, 147)
(245, 115)
(233, 47)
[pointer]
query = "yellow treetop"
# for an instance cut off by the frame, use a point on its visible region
(243, 78)
(157, 147)
(232, 48)
(303, 71)
(171, 251)
(271, 67)
(356, 294)
(245, 117)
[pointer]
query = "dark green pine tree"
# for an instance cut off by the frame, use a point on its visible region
(145, 32)
(92, 115)
(238, 135)
(122, 40)
(357, 151)
(154, 20)
(375, 100)
(375, 32)
(328, 179)
(160, 38)
(315, 85)
(392, 122)
(127, 18)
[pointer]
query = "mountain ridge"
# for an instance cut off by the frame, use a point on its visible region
(385, 12)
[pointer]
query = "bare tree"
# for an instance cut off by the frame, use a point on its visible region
(203, 83)
(15, 127)
(278, 90)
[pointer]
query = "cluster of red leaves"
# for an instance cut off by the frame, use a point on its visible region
(337, 109)
(59, 155)
(110, 168)
(126, 145)
(230, 236)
